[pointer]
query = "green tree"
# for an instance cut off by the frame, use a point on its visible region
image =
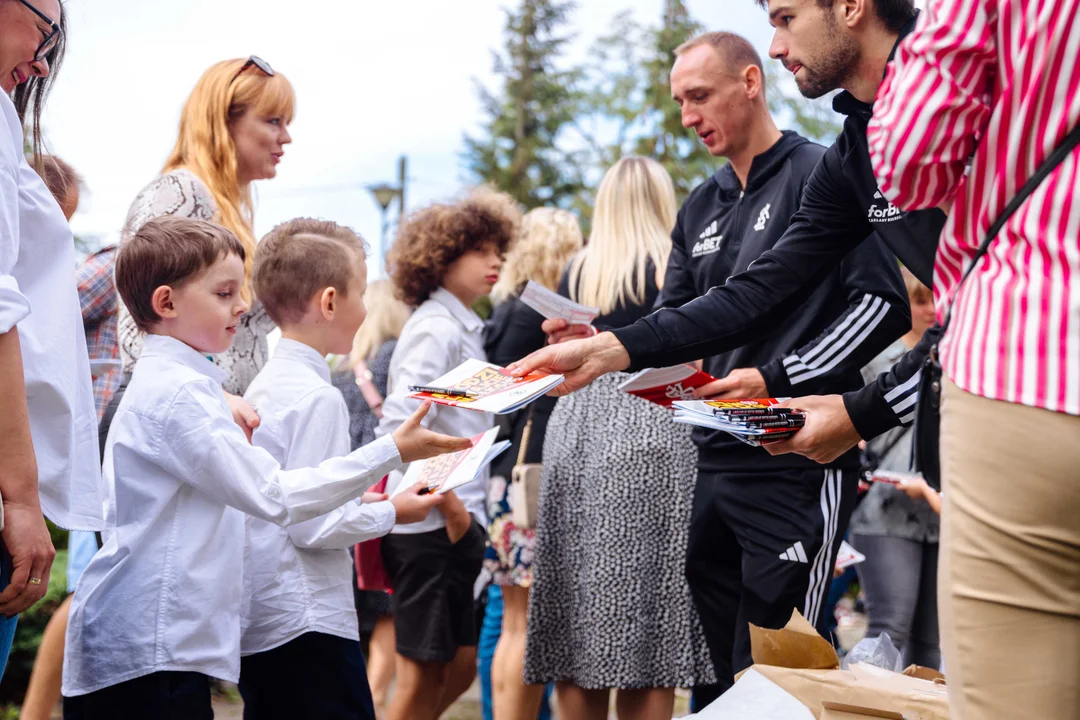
(521, 150)
(630, 110)
(813, 119)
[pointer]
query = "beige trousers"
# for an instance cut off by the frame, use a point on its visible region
(1009, 581)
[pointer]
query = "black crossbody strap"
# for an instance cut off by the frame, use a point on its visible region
(1061, 152)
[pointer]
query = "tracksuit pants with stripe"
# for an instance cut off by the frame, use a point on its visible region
(762, 545)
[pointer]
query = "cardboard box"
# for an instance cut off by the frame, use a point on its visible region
(805, 665)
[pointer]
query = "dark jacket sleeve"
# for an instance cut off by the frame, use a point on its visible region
(890, 400)
(679, 287)
(877, 314)
(750, 304)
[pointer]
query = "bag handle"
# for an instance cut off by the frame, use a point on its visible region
(1055, 158)
(523, 450)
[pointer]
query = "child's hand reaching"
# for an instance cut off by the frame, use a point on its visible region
(412, 507)
(415, 442)
(917, 489)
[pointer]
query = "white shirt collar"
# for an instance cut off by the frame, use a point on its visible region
(469, 320)
(303, 354)
(170, 347)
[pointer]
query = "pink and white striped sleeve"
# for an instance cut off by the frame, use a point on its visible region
(934, 104)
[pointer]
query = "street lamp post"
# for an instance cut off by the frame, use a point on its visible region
(384, 195)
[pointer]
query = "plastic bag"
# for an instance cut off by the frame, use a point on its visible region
(879, 652)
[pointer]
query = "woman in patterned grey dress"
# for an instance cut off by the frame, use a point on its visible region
(208, 176)
(610, 607)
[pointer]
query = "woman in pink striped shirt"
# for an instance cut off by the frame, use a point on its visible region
(997, 82)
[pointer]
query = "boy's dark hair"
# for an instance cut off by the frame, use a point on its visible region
(894, 13)
(432, 239)
(171, 251)
(300, 258)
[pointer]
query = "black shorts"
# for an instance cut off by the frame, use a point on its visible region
(433, 591)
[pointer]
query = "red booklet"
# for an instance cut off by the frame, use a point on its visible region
(664, 386)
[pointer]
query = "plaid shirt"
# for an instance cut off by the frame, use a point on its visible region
(99, 301)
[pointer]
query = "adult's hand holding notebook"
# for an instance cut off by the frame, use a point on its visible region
(478, 385)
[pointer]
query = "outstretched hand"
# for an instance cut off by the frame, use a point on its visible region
(559, 331)
(580, 361)
(412, 507)
(827, 434)
(416, 442)
(740, 384)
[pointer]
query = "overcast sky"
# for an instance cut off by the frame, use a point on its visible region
(374, 80)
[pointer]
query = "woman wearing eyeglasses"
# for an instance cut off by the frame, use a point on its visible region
(233, 132)
(48, 439)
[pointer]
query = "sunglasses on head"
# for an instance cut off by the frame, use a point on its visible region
(51, 39)
(254, 61)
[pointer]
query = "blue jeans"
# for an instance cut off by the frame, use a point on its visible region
(7, 625)
(489, 638)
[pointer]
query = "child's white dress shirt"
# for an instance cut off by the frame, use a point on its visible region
(299, 579)
(165, 591)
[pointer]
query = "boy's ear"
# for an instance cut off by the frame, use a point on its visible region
(328, 303)
(162, 302)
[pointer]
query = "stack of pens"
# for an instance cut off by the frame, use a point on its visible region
(754, 422)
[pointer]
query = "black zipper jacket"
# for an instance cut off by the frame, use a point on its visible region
(857, 310)
(841, 207)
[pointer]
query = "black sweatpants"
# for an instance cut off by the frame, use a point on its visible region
(316, 676)
(160, 695)
(762, 545)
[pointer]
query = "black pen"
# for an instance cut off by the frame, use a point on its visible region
(452, 392)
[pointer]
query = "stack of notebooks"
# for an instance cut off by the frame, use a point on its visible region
(754, 422)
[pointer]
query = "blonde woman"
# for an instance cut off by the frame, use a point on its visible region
(547, 240)
(363, 381)
(233, 132)
(610, 606)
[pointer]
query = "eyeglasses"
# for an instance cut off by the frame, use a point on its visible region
(254, 61)
(51, 39)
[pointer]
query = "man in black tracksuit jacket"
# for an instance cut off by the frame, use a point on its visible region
(840, 207)
(765, 530)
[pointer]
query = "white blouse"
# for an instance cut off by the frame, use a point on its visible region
(299, 579)
(183, 194)
(165, 591)
(38, 297)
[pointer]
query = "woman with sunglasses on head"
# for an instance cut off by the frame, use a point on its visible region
(48, 439)
(233, 131)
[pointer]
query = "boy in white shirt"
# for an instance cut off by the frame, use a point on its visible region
(157, 612)
(300, 643)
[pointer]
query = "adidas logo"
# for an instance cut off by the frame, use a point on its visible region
(795, 553)
(678, 392)
(878, 195)
(762, 218)
(709, 241)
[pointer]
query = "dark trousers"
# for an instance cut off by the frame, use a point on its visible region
(899, 578)
(160, 695)
(314, 677)
(761, 546)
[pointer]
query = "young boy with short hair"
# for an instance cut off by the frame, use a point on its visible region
(157, 612)
(300, 643)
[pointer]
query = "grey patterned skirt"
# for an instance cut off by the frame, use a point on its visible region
(610, 606)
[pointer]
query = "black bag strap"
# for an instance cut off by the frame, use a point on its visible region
(1055, 158)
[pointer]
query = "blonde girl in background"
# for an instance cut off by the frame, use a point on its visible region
(610, 606)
